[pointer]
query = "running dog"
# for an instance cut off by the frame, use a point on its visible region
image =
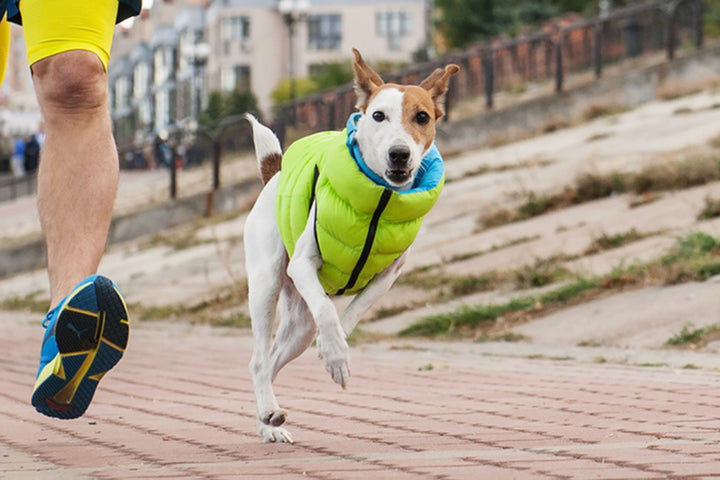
(336, 215)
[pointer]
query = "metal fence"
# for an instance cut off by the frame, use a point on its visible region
(12, 188)
(567, 45)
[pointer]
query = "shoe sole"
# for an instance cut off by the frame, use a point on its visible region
(89, 343)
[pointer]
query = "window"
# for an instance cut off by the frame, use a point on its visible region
(235, 78)
(141, 75)
(163, 63)
(234, 30)
(162, 109)
(188, 40)
(394, 25)
(324, 32)
(122, 93)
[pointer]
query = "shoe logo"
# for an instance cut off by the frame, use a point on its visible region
(77, 332)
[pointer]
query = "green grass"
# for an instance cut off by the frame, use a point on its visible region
(608, 242)
(544, 272)
(508, 337)
(690, 337)
(217, 310)
(465, 317)
(694, 257)
(686, 335)
(567, 292)
(472, 317)
(29, 302)
(711, 209)
(517, 241)
(655, 177)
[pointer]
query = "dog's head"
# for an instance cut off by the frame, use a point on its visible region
(397, 127)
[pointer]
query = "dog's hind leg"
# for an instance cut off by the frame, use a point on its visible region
(297, 329)
(265, 261)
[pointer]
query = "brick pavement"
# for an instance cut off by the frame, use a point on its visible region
(180, 406)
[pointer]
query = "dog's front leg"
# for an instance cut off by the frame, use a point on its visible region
(302, 269)
(377, 287)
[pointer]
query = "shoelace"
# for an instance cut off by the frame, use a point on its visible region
(49, 315)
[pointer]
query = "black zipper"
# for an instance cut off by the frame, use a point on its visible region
(369, 239)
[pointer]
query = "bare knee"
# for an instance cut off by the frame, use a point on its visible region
(70, 82)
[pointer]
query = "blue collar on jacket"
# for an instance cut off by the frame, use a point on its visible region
(428, 176)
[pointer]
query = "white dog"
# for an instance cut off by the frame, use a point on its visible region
(336, 219)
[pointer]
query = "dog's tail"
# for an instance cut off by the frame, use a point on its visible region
(267, 149)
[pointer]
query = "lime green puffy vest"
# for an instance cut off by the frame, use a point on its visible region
(361, 227)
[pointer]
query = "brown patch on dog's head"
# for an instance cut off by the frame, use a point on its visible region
(437, 84)
(419, 114)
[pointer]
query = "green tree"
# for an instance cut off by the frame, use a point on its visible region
(466, 21)
(322, 77)
(514, 16)
(239, 102)
(214, 110)
(462, 22)
(303, 86)
(224, 104)
(712, 17)
(330, 75)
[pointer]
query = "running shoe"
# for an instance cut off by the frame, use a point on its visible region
(85, 336)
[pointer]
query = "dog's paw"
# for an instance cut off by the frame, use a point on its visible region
(333, 349)
(273, 418)
(339, 371)
(271, 434)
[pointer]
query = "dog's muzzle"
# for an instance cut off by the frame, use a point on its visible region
(398, 161)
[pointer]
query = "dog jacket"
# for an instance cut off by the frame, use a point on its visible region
(361, 226)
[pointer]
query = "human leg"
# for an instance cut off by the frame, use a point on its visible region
(4, 44)
(87, 331)
(78, 174)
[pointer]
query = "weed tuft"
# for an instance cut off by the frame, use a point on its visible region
(711, 209)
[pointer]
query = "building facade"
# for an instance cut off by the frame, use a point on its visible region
(175, 54)
(19, 111)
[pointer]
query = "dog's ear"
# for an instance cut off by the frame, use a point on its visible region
(437, 84)
(366, 81)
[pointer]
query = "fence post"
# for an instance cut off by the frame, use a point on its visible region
(559, 63)
(698, 11)
(488, 77)
(670, 36)
(173, 179)
(281, 125)
(331, 123)
(597, 48)
(217, 153)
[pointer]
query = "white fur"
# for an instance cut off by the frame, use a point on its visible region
(375, 139)
(306, 311)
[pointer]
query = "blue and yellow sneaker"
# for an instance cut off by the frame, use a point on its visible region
(85, 336)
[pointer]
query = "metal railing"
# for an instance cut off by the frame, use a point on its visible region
(15, 187)
(565, 46)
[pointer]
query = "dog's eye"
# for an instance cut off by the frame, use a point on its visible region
(422, 118)
(378, 116)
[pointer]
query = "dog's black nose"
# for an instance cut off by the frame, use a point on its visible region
(399, 155)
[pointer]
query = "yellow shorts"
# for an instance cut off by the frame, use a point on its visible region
(52, 27)
(4, 45)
